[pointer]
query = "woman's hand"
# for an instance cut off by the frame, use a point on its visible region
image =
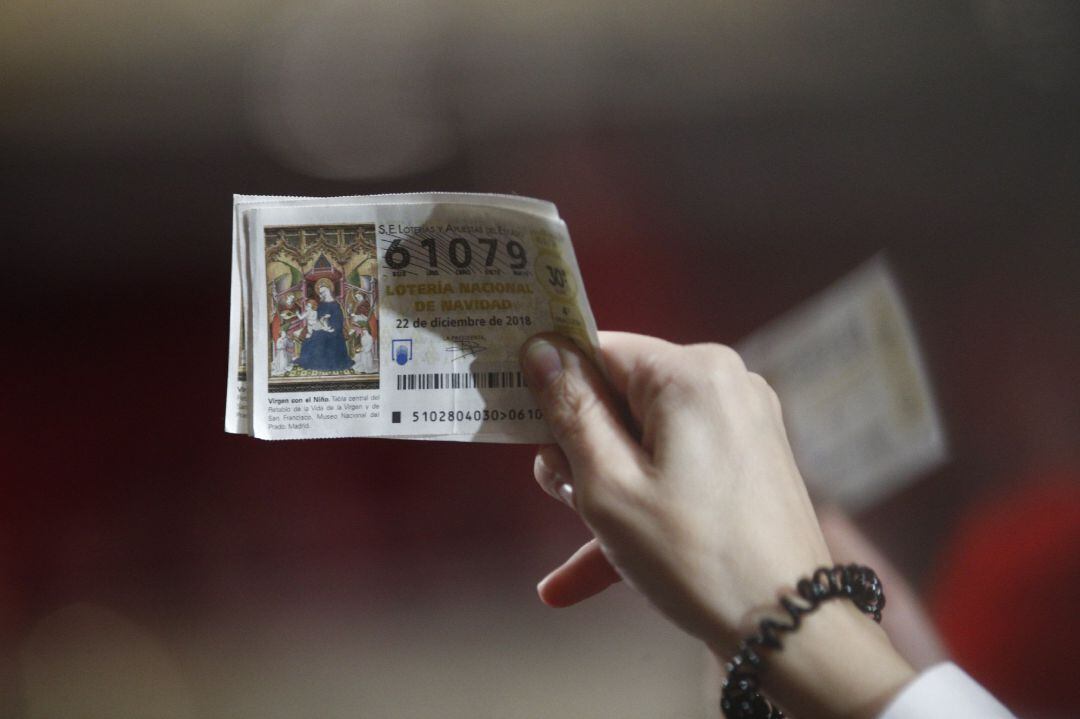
(684, 474)
(680, 465)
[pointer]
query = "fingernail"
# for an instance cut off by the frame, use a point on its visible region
(566, 493)
(542, 363)
(541, 590)
(548, 477)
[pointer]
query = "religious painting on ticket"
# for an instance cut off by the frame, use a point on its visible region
(322, 307)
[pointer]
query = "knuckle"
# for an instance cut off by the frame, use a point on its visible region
(721, 358)
(760, 383)
(703, 365)
(680, 375)
(654, 375)
(766, 391)
(666, 383)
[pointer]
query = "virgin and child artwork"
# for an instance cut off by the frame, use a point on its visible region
(322, 307)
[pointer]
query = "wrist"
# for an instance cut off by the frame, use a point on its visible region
(828, 659)
(839, 664)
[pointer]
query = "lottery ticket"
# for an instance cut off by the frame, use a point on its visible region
(858, 405)
(395, 315)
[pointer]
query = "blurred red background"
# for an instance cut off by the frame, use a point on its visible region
(936, 134)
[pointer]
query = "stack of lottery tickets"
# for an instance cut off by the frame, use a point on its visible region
(395, 315)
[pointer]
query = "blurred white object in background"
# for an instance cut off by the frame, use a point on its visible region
(858, 406)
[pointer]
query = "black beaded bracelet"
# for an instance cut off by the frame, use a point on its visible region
(739, 696)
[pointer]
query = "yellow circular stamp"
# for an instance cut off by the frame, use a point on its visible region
(554, 276)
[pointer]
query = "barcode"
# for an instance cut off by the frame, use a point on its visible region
(460, 380)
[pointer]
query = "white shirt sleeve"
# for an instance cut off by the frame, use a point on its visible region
(944, 691)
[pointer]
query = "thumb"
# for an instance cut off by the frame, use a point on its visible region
(580, 412)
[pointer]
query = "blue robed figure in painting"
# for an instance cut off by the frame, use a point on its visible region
(324, 347)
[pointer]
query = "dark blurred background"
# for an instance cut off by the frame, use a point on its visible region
(716, 163)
